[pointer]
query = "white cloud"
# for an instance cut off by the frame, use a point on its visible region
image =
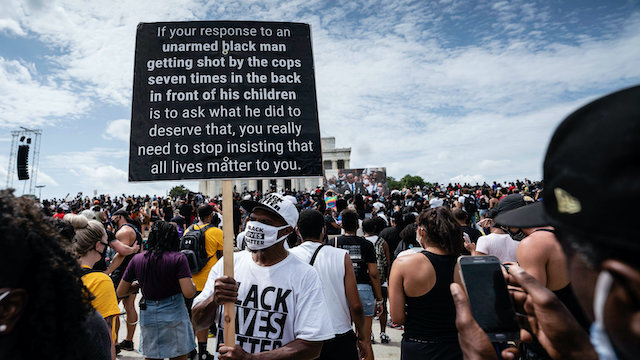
(11, 26)
(27, 101)
(118, 129)
(390, 81)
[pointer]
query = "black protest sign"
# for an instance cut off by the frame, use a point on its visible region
(224, 99)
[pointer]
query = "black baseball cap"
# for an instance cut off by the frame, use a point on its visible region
(507, 203)
(593, 158)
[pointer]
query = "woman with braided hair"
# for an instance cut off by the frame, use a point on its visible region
(165, 280)
(419, 295)
(45, 309)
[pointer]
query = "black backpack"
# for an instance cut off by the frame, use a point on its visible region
(192, 245)
(470, 205)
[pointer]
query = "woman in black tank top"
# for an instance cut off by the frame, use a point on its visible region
(419, 289)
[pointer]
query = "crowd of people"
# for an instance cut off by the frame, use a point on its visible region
(313, 270)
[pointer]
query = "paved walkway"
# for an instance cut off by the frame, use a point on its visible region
(389, 351)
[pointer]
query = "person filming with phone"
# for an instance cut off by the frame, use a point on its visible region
(419, 294)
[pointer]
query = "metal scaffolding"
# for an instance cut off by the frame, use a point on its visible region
(17, 138)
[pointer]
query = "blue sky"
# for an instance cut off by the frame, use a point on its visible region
(449, 90)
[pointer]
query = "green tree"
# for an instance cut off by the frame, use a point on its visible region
(178, 191)
(410, 181)
(392, 183)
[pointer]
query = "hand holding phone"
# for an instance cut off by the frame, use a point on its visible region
(489, 298)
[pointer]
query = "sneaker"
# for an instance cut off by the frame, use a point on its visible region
(373, 339)
(384, 338)
(205, 356)
(117, 349)
(126, 345)
(193, 355)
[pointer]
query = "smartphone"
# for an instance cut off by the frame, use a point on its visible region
(489, 298)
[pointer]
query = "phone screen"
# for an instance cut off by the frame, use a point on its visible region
(489, 298)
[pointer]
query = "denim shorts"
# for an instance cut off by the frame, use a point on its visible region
(367, 298)
(165, 329)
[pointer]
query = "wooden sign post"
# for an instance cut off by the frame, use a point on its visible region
(227, 256)
(224, 100)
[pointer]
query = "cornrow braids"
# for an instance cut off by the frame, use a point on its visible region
(163, 237)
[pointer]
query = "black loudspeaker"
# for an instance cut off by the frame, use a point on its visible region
(23, 162)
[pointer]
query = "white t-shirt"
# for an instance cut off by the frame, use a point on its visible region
(372, 239)
(436, 202)
(329, 265)
(501, 246)
(276, 304)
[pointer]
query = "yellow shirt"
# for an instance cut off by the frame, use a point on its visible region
(212, 244)
(105, 302)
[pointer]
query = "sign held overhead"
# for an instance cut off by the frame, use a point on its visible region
(224, 100)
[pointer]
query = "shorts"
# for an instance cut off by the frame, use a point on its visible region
(343, 346)
(367, 299)
(165, 329)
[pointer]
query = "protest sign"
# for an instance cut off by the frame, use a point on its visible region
(224, 100)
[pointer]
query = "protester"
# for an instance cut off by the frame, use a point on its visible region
(603, 261)
(408, 236)
(89, 244)
(213, 247)
(462, 218)
(45, 309)
(163, 276)
(331, 223)
(383, 260)
(129, 235)
(339, 287)
(268, 281)
(419, 294)
(365, 266)
(499, 242)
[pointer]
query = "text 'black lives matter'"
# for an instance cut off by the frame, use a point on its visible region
(224, 100)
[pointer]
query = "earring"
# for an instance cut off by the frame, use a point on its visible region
(3, 328)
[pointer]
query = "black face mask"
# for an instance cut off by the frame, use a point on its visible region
(103, 254)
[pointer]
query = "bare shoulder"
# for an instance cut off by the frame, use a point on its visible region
(410, 262)
(543, 240)
(125, 230)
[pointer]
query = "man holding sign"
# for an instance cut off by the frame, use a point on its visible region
(279, 305)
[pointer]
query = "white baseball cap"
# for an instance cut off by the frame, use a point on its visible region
(274, 203)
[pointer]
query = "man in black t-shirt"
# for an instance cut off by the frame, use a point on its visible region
(363, 256)
(186, 210)
(462, 218)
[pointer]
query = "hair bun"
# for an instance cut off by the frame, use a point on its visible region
(77, 221)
